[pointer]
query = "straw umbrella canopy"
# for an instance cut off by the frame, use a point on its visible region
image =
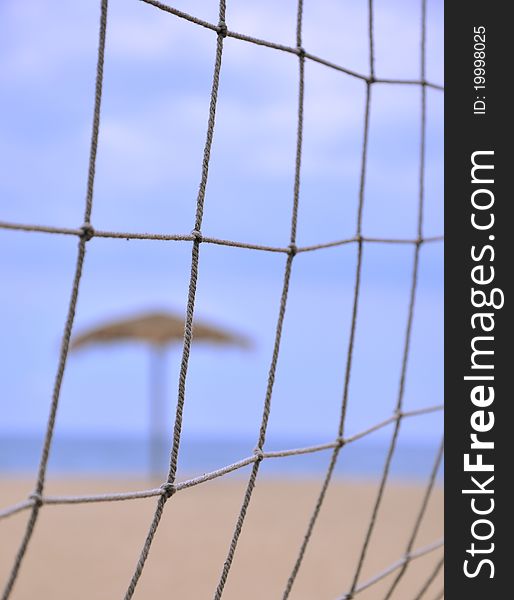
(158, 330)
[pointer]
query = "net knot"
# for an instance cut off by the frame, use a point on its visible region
(292, 249)
(36, 498)
(371, 79)
(301, 52)
(259, 453)
(168, 489)
(87, 232)
(197, 235)
(340, 442)
(222, 29)
(419, 241)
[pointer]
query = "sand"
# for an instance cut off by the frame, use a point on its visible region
(81, 552)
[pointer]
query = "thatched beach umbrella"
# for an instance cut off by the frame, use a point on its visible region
(158, 330)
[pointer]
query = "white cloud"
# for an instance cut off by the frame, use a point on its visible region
(150, 136)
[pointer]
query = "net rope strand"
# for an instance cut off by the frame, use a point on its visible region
(410, 319)
(178, 237)
(353, 326)
(431, 578)
(414, 555)
(418, 521)
(282, 310)
(65, 340)
(289, 49)
(266, 455)
(168, 487)
(86, 232)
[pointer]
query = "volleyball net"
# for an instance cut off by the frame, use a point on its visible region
(292, 252)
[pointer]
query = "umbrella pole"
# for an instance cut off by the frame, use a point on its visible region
(157, 416)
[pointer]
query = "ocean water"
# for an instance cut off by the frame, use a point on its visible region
(129, 456)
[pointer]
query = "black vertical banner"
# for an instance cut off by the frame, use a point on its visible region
(479, 268)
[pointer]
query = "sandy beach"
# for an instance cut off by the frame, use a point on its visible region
(81, 552)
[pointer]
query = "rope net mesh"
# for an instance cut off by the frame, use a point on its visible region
(34, 503)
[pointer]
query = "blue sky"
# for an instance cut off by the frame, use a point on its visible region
(157, 82)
